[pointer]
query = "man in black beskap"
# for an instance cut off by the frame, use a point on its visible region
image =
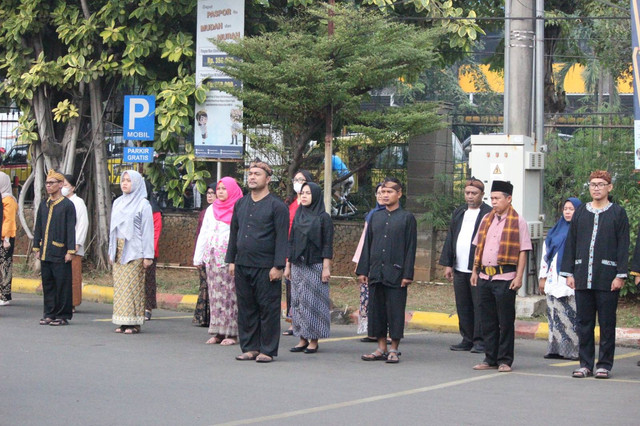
(54, 243)
(257, 256)
(386, 265)
(457, 257)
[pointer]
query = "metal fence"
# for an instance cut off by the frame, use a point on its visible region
(575, 144)
(8, 127)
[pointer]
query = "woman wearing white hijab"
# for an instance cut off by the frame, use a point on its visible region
(130, 251)
(8, 220)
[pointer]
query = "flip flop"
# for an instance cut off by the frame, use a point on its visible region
(288, 333)
(247, 356)
(132, 330)
(58, 322)
(228, 342)
(45, 321)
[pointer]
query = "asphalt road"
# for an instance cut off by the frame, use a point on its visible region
(85, 374)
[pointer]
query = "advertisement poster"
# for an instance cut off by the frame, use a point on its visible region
(218, 122)
(635, 44)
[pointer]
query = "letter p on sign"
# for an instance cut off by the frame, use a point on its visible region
(139, 117)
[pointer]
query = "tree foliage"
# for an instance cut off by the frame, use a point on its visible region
(293, 77)
(63, 63)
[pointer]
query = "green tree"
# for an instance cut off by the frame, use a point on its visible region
(63, 62)
(293, 76)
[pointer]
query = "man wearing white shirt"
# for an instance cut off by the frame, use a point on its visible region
(457, 258)
(82, 226)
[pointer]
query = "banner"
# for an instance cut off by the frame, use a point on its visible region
(218, 122)
(635, 44)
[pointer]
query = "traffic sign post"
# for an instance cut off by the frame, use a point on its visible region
(139, 118)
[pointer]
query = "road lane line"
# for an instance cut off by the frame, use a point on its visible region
(570, 363)
(154, 318)
(568, 376)
(355, 402)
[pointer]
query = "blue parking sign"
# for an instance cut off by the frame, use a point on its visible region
(139, 117)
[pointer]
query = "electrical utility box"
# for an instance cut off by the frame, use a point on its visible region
(513, 158)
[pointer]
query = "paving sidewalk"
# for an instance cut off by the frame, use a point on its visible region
(434, 321)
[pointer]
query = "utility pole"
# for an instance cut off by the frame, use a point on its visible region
(328, 138)
(521, 40)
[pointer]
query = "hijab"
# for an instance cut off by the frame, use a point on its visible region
(223, 210)
(5, 186)
(127, 205)
(557, 235)
(307, 222)
(155, 207)
(378, 207)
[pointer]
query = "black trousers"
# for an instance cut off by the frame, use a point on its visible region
(57, 290)
(258, 310)
(468, 308)
(605, 304)
(498, 313)
(386, 310)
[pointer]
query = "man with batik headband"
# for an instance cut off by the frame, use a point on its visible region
(501, 244)
(595, 264)
(457, 257)
(387, 265)
(54, 243)
(256, 256)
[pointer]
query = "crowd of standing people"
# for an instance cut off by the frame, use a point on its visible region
(245, 246)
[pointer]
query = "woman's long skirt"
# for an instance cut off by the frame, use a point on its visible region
(223, 302)
(76, 280)
(6, 270)
(201, 316)
(363, 322)
(150, 287)
(563, 339)
(128, 290)
(309, 302)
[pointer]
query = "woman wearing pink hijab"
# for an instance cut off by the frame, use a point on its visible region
(211, 249)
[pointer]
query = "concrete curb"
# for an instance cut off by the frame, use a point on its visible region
(433, 321)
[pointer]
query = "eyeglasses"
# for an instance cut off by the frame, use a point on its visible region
(598, 185)
(49, 183)
(298, 180)
(211, 193)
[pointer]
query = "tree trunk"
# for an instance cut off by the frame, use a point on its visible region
(102, 205)
(70, 138)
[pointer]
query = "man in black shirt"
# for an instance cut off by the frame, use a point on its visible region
(256, 256)
(54, 243)
(386, 265)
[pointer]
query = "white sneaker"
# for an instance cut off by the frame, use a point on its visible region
(5, 302)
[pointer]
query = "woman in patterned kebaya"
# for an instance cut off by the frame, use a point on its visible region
(211, 249)
(309, 269)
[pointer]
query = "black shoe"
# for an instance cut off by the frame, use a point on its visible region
(478, 349)
(553, 356)
(299, 348)
(368, 340)
(311, 351)
(460, 347)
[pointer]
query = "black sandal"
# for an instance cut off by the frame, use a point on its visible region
(58, 322)
(45, 321)
(376, 355)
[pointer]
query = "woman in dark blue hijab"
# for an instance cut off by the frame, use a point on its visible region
(561, 303)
